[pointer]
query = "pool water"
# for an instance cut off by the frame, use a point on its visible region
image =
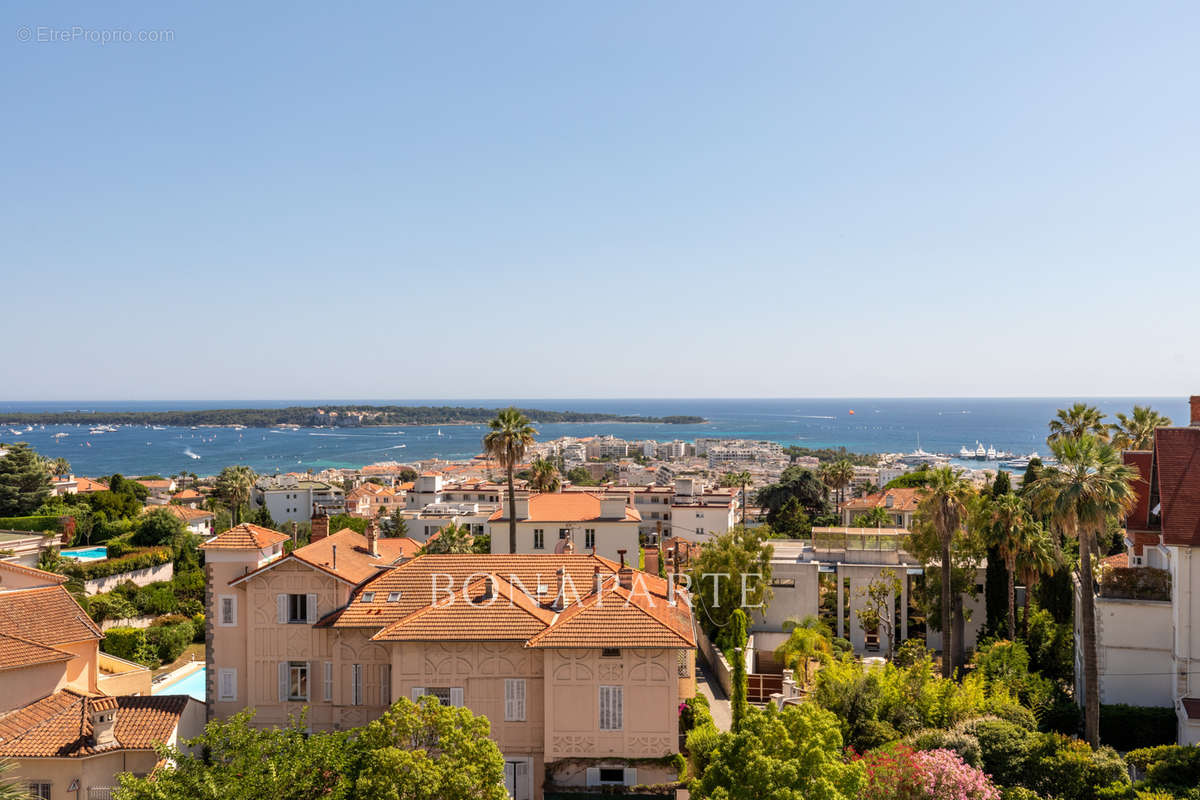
(98, 553)
(192, 684)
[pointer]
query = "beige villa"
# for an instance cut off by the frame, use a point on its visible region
(72, 717)
(605, 524)
(578, 663)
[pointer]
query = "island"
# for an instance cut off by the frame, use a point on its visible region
(323, 416)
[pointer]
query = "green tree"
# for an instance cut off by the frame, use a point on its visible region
(579, 476)
(397, 525)
(24, 480)
(808, 639)
(233, 487)
(544, 475)
(1038, 558)
(737, 653)
(799, 483)
(158, 527)
(1136, 431)
(510, 436)
(733, 480)
(791, 522)
(875, 611)
(1076, 421)
(795, 754)
(453, 538)
(58, 466)
(842, 474)
(995, 582)
(877, 517)
(12, 788)
(1010, 530)
(734, 562)
(945, 510)
(1087, 487)
(50, 560)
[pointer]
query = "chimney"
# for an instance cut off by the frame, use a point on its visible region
(621, 553)
(613, 506)
(320, 524)
(522, 503)
(1195, 403)
(597, 580)
(560, 599)
(373, 539)
(104, 722)
(625, 577)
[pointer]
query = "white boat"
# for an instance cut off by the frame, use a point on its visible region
(964, 452)
(991, 453)
(980, 451)
(61, 435)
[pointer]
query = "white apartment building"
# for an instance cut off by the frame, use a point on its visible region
(290, 498)
(732, 451)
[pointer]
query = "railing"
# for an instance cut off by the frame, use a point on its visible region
(759, 688)
(101, 792)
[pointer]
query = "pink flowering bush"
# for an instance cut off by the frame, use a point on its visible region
(897, 772)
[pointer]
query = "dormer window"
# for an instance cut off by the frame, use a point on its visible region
(393, 597)
(368, 597)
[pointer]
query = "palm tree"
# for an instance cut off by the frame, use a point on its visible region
(1009, 527)
(233, 486)
(810, 638)
(510, 435)
(1039, 558)
(877, 517)
(734, 480)
(1089, 486)
(1136, 432)
(946, 507)
(12, 788)
(843, 475)
(1076, 421)
(543, 475)
(59, 466)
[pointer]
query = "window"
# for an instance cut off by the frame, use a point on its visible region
(368, 597)
(589, 538)
(516, 778)
(699, 531)
(385, 684)
(297, 608)
(356, 685)
(393, 597)
(328, 682)
(611, 702)
(446, 695)
(610, 652)
(298, 680)
(228, 610)
(783, 583)
(40, 790)
(227, 684)
(514, 700)
(539, 539)
(682, 664)
(612, 775)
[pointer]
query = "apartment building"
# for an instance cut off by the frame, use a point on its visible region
(552, 522)
(578, 664)
(71, 717)
(291, 498)
(1147, 654)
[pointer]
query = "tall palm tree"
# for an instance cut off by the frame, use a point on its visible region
(840, 475)
(543, 475)
(1076, 421)
(734, 480)
(1089, 486)
(1009, 528)
(825, 473)
(877, 517)
(510, 436)
(233, 486)
(1136, 432)
(1040, 557)
(945, 505)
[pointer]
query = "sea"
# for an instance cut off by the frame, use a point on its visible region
(893, 425)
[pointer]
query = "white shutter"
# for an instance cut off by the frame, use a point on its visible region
(308, 678)
(593, 776)
(356, 684)
(281, 605)
(283, 678)
(630, 776)
(312, 608)
(228, 684)
(385, 684)
(417, 693)
(456, 696)
(328, 681)
(514, 700)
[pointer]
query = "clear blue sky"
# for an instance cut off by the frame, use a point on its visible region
(564, 199)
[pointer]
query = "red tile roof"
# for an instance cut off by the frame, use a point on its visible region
(16, 652)
(188, 515)
(355, 563)
(565, 507)
(85, 485)
(902, 500)
(47, 615)
(21, 569)
(1141, 459)
(60, 726)
(1115, 560)
(245, 537)
(1177, 470)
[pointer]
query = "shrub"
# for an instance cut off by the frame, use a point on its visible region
(1003, 746)
(36, 524)
(1051, 648)
(119, 547)
(110, 605)
(910, 652)
(693, 713)
(198, 623)
(958, 740)
(169, 641)
(700, 743)
(1143, 757)
(1136, 583)
(899, 773)
(1129, 727)
(156, 599)
(1175, 769)
(123, 642)
(115, 566)
(1018, 793)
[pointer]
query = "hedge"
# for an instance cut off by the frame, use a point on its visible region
(123, 642)
(1136, 583)
(1132, 727)
(39, 524)
(149, 557)
(170, 640)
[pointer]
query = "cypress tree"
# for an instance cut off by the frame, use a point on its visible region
(995, 585)
(739, 706)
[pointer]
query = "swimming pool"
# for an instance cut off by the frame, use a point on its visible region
(98, 553)
(192, 684)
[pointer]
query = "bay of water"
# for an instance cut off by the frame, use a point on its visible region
(877, 425)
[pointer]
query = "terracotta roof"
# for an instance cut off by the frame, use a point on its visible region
(60, 726)
(1115, 560)
(245, 537)
(902, 500)
(155, 484)
(565, 507)
(1177, 471)
(16, 652)
(188, 515)
(47, 615)
(84, 485)
(410, 603)
(21, 569)
(355, 563)
(1142, 459)
(187, 494)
